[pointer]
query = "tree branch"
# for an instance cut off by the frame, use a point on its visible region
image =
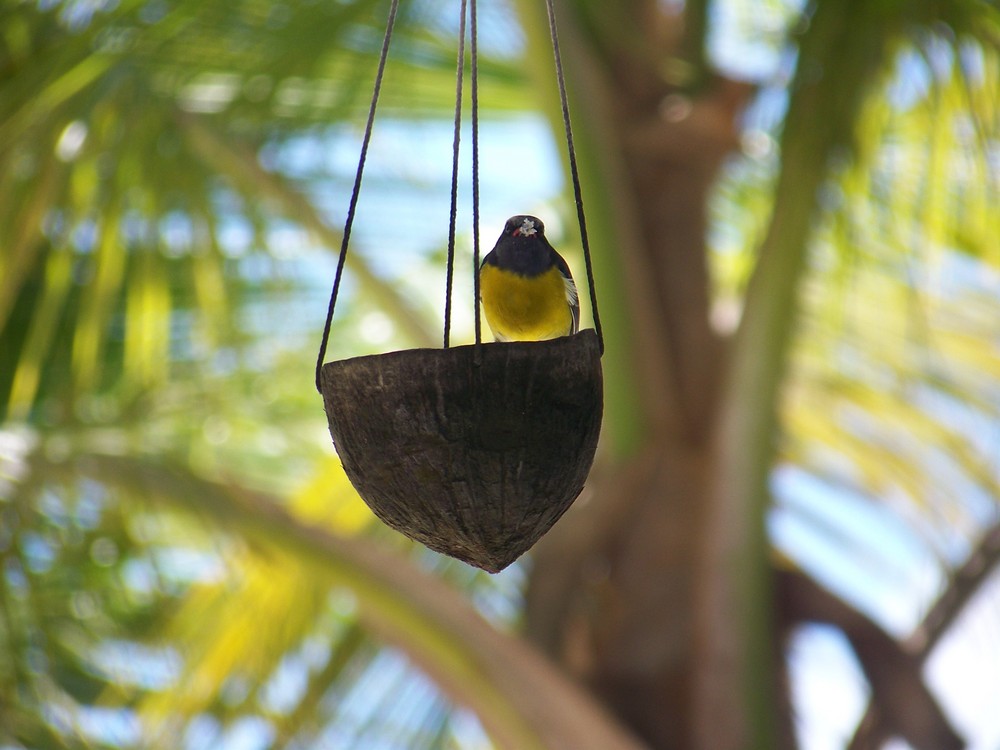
(874, 728)
(902, 702)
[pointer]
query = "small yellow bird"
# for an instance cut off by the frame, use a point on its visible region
(526, 287)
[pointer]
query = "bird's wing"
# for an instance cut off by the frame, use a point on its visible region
(572, 297)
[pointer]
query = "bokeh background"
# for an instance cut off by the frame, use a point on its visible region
(791, 534)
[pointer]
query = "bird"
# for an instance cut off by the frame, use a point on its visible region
(526, 287)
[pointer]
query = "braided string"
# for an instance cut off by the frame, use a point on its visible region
(574, 172)
(383, 55)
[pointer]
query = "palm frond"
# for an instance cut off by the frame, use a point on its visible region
(116, 124)
(501, 679)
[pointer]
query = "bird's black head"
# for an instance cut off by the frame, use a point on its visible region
(522, 248)
(524, 226)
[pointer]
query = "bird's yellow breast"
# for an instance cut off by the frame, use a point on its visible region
(525, 308)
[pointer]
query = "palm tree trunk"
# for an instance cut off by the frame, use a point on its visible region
(612, 594)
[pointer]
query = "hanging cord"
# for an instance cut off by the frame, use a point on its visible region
(454, 178)
(357, 189)
(577, 193)
(474, 62)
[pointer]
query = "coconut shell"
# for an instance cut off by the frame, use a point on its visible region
(476, 460)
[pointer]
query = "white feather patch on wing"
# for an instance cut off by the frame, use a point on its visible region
(573, 300)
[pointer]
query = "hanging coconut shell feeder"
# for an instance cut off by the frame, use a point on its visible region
(475, 461)
(474, 451)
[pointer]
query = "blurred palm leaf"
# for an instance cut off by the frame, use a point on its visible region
(126, 129)
(885, 396)
(130, 134)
